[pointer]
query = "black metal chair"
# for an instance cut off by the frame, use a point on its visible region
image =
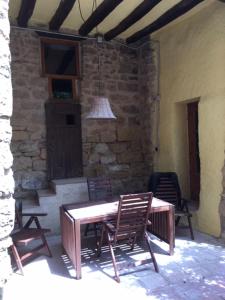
(165, 186)
(131, 223)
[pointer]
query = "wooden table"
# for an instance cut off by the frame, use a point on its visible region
(73, 215)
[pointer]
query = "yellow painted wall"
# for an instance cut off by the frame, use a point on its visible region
(192, 65)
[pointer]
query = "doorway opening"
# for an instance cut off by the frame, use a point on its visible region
(194, 158)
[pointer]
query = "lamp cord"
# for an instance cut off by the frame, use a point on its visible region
(98, 52)
(94, 7)
(99, 68)
(94, 3)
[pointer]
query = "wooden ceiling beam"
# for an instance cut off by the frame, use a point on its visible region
(101, 12)
(61, 13)
(26, 11)
(173, 13)
(140, 11)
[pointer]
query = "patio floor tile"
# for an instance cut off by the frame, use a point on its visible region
(195, 271)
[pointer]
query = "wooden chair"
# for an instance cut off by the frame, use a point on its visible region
(24, 236)
(99, 188)
(165, 186)
(131, 222)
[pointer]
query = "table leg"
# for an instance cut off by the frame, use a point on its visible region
(171, 226)
(77, 249)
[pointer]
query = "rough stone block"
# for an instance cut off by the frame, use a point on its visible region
(124, 134)
(127, 87)
(119, 147)
(101, 148)
(139, 169)
(130, 109)
(43, 154)
(108, 136)
(136, 146)
(107, 159)
(22, 163)
(39, 165)
(119, 171)
(33, 180)
(94, 158)
(30, 148)
(20, 135)
(93, 138)
(130, 157)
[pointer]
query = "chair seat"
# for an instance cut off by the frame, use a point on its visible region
(24, 236)
(130, 223)
(181, 213)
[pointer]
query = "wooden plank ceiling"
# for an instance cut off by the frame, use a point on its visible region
(130, 20)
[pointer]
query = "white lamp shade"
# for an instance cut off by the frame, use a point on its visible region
(100, 109)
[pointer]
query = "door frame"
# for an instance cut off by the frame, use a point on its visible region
(193, 146)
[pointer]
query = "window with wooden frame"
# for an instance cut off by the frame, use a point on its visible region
(62, 88)
(60, 58)
(60, 63)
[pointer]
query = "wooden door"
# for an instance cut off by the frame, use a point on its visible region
(194, 160)
(64, 144)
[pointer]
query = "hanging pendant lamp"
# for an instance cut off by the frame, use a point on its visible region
(100, 108)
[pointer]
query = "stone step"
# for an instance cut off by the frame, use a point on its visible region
(45, 197)
(45, 193)
(62, 186)
(72, 190)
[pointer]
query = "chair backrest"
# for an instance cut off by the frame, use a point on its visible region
(165, 186)
(18, 215)
(99, 188)
(133, 214)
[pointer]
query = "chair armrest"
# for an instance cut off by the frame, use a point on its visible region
(149, 223)
(34, 214)
(184, 204)
(186, 200)
(110, 227)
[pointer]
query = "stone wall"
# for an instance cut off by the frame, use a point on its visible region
(149, 101)
(29, 96)
(6, 159)
(117, 148)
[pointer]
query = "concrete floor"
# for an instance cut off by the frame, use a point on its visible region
(195, 271)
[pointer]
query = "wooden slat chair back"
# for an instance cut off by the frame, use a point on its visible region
(132, 217)
(131, 222)
(167, 189)
(99, 188)
(165, 186)
(24, 235)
